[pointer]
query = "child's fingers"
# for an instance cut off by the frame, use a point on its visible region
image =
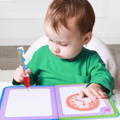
(102, 94)
(96, 93)
(20, 68)
(89, 93)
(81, 94)
(28, 71)
(96, 89)
(19, 74)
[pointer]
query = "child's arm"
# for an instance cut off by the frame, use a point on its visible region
(94, 91)
(101, 82)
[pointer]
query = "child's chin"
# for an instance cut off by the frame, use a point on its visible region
(59, 56)
(65, 58)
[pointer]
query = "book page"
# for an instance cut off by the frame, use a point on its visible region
(32, 102)
(35, 102)
(71, 105)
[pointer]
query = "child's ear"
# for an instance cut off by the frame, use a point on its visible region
(87, 38)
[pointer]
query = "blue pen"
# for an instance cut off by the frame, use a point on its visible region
(22, 57)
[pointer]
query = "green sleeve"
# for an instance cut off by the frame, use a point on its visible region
(33, 65)
(34, 78)
(99, 74)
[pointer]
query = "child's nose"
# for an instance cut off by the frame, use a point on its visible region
(56, 49)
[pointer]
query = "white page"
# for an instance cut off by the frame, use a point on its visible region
(32, 102)
(67, 91)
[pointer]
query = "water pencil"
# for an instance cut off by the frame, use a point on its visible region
(23, 61)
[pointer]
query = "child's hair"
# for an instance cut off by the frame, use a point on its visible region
(60, 11)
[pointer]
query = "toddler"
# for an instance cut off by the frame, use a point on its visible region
(68, 25)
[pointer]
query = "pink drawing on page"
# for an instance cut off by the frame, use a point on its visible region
(82, 104)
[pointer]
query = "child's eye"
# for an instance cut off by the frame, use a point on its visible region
(50, 40)
(64, 45)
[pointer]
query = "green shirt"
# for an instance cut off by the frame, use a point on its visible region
(87, 67)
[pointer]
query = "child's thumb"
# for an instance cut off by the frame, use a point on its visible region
(82, 94)
(28, 71)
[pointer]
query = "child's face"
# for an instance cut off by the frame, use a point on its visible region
(65, 44)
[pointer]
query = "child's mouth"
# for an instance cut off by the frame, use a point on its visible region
(58, 56)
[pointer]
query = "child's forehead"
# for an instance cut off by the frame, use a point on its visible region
(70, 27)
(62, 33)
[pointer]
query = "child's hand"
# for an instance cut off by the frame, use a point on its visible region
(20, 74)
(93, 91)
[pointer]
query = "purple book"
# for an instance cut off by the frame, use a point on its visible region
(52, 103)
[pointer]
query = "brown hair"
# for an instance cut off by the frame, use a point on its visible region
(60, 11)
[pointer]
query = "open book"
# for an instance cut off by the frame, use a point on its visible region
(52, 103)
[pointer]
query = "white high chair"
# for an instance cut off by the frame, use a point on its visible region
(95, 44)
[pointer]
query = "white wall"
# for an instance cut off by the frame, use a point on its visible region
(21, 21)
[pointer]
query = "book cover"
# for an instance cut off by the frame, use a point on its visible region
(52, 103)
